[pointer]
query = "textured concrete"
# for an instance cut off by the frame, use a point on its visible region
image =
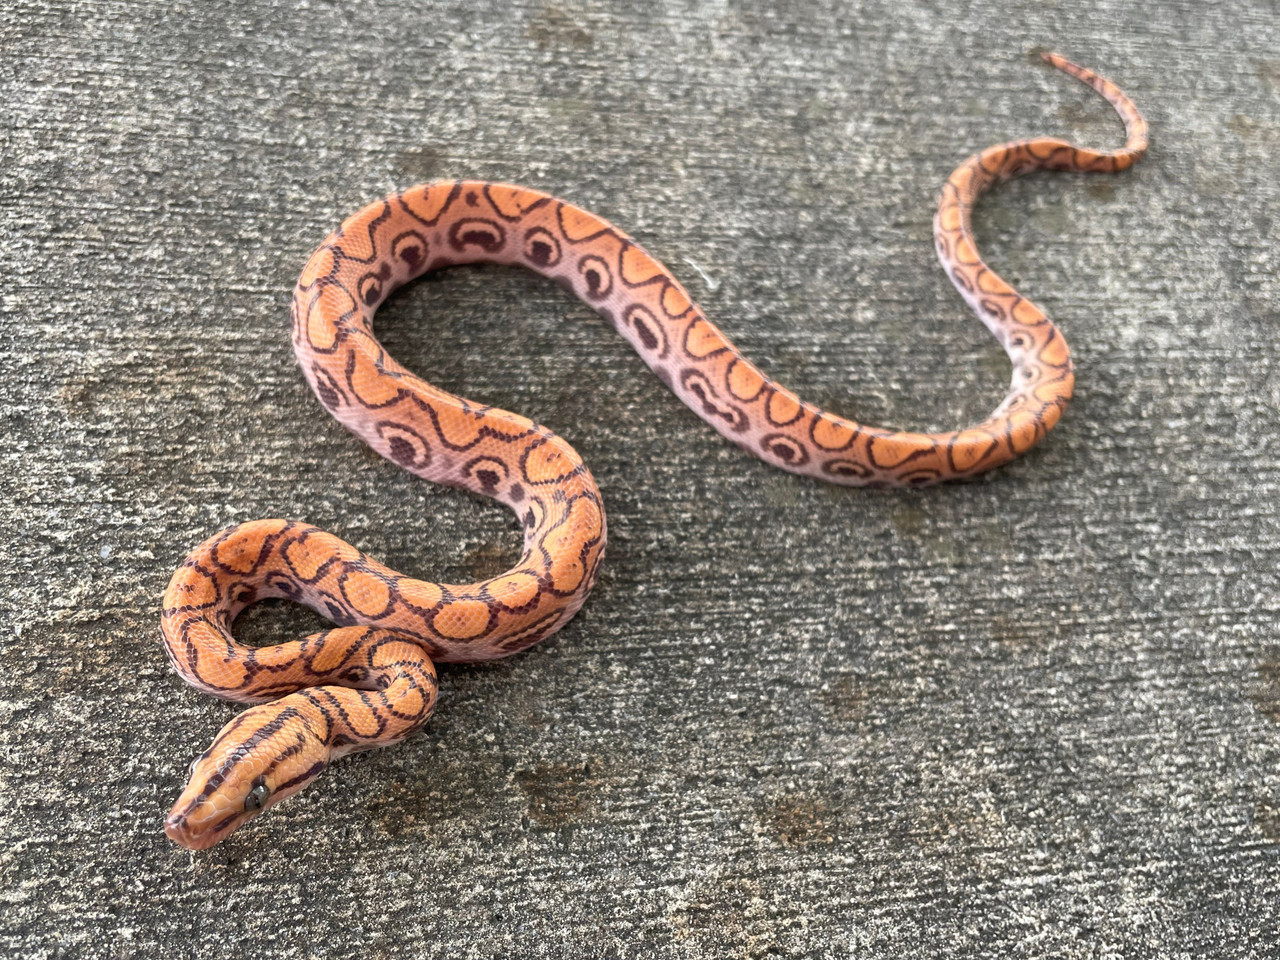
(1037, 715)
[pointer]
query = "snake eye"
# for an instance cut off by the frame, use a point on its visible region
(256, 798)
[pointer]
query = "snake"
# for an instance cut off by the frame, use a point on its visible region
(371, 681)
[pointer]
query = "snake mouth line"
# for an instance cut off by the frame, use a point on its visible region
(184, 832)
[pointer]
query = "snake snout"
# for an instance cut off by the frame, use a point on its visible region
(178, 829)
(188, 827)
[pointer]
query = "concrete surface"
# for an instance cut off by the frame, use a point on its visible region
(1037, 715)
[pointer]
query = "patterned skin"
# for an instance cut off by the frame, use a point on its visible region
(370, 682)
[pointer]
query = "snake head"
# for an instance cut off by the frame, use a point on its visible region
(264, 755)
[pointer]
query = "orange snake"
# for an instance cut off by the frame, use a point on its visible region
(370, 682)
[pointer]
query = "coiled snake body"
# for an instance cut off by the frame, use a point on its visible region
(370, 682)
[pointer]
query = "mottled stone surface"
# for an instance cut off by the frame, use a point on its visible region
(1036, 715)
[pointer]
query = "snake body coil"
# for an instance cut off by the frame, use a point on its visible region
(370, 682)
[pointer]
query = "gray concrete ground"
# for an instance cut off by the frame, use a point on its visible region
(1036, 715)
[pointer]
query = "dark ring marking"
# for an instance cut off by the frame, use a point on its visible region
(786, 449)
(649, 330)
(410, 248)
(405, 445)
(488, 235)
(541, 247)
(696, 383)
(595, 273)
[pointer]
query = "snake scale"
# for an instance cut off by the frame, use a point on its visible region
(371, 680)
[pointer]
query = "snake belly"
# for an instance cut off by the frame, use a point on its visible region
(371, 680)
